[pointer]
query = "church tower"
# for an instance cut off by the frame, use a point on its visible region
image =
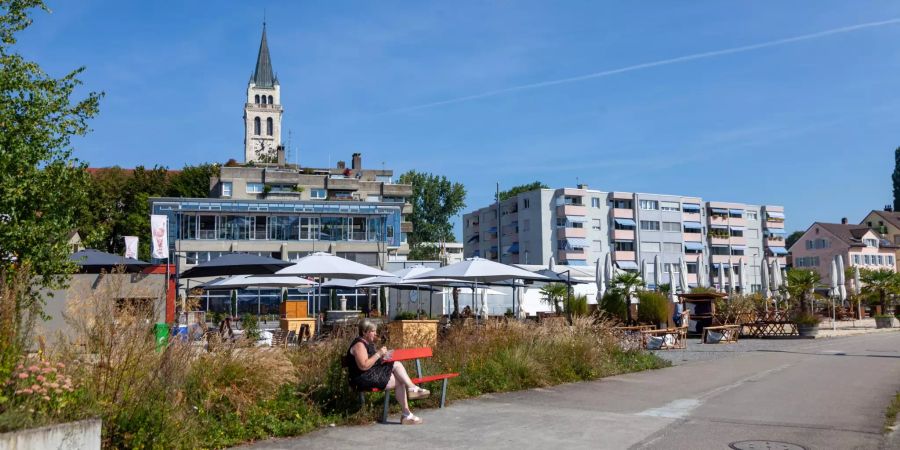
(262, 111)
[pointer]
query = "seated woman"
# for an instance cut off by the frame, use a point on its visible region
(368, 370)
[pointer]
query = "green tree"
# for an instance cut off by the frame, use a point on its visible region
(516, 190)
(801, 284)
(881, 283)
(424, 252)
(553, 294)
(627, 283)
(40, 181)
(896, 179)
(191, 181)
(792, 238)
(435, 200)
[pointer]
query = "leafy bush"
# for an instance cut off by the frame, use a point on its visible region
(613, 304)
(251, 327)
(405, 315)
(577, 305)
(806, 319)
(653, 307)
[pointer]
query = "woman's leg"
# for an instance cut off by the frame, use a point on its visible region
(400, 373)
(399, 392)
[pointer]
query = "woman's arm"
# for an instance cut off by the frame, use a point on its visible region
(363, 361)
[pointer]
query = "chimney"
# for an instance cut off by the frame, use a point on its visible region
(356, 162)
(843, 221)
(342, 165)
(280, 155)
(888, 208)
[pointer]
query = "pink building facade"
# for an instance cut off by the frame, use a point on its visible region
(858, 245)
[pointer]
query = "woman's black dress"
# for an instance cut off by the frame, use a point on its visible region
(376, 377)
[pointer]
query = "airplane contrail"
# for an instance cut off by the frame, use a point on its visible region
(663, 62)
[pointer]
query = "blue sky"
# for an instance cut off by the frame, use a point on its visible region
(810, 123)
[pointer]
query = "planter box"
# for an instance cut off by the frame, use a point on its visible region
(884, 322)
(808, 330)
(84, 434)
(412, 333)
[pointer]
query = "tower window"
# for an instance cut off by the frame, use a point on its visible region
(257, 100)
(269, 126)
(270, 100)
(264, 99)
(256, 126)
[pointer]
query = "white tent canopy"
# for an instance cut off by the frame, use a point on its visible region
(326, 265)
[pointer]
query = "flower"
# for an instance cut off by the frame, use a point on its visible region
(54, 385)
(35, 387)
(61, 365)
(20, 367)
(23, 375)
(33, 368)
(58, 391)
(41, 378)
(27, 391)
(46, 398)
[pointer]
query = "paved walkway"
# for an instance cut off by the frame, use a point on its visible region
(821, 394)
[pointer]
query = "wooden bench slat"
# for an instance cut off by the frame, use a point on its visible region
(405, 354)
(431, 378)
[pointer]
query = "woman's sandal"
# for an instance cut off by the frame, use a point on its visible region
(411, 419)
(417, 392)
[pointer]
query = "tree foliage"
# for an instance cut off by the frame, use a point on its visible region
(881, 284)
(792, 238)
(39, 178)
(516, 190)
(801, 284)
(896, 179)
(435, 200)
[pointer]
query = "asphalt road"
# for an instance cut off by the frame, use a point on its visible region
(822, 394)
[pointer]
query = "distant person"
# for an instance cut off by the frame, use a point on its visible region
(225, 330)
(467, 312)
(368, 370)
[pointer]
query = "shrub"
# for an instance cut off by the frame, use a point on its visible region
(405, 315)
(577, 305)
(613, 304)
(806, 319)
(251, 327)
(653, 307)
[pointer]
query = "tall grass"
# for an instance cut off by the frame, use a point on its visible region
(188, 397)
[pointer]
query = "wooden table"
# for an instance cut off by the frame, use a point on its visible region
(679, 334)
(730, 333)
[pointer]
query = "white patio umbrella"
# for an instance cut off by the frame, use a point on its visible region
(857, 288)
(732, 280)
(598, 279)
(259, 281)
(842, 279)
(682, 276)
(702, 273)
(720, 284)
(644, 270)
(478, 270)
(835, 291)
(326, 265)
(743, 275)
(764, 279)
(657, 272)
(671, 284)
(551, 264)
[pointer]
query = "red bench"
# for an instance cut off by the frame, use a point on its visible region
(406, 354)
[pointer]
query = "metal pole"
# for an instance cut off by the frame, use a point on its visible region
(499, 228)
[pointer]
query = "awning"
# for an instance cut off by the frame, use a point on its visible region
(625, 222)
(739, 212)
(576, 219)
(777, 215)
(473, 238)
(627, 265)
(718, 227)
(737, 228)
(577, 243)
(719, 210)
(690, 206)
(492, 230)
(693, 246)
(775, 231)
(512, 249)
(692, 225)
(739, 247)
(719, 246)
(778, 250)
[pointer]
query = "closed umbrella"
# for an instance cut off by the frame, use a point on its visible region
(720, 285)
(857, 288)
(657, 272)
(743, 275)
(643, 270)
(835, 290)
(682, 276)
(732, 281)
(764, 279)
(552, 263)
(842, 279)
(671, 284)
(702, 273)
(608, 269)
(598, 278)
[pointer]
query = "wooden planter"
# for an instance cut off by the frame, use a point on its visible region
(412, 333)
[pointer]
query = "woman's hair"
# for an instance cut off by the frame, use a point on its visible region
(366, 325)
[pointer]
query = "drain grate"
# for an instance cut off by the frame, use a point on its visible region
(765, 445)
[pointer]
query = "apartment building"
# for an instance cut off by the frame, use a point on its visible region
(579, 226)
(859, 245)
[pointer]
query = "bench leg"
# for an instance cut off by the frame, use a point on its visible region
(362, 400)
(444, 392)
(387, 403)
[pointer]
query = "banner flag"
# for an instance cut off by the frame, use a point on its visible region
(131, 247)
(159, 233)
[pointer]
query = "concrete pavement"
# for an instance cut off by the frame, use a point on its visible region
(818, 394)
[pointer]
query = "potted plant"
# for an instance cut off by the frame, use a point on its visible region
(807, 324)
(653, 308)
(407, 331)
(880, 284)
(884, 321)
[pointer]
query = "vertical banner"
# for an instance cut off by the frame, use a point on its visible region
(131, 247)
(159, 234)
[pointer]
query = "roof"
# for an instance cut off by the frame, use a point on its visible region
(263, 76)
(891, 217)
(850, 234)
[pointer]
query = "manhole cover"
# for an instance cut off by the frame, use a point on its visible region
(765, 445)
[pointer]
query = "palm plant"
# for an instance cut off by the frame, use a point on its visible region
(880, 283)
(554, 293)
(801, 284)
(627, 283)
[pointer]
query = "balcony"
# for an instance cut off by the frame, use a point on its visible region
(344, 184)
(738, 222)
(775, 224)
(735, 240)
(717, 259)
(719, 240)
(690, 216)
(577, 253)
(693, 237)
(620, 213)
(396, 190)
(624, 256)
(774, 242)
(623, 235)
(573, 233)
(571, 210)
(406, 227)
(718, 220)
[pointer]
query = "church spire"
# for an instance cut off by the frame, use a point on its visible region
(263, 76)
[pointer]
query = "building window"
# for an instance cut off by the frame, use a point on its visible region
(719, 250)
(692, 228)
(856, 260)
(264, 99)
(890, 260)
(672, 247)
(650, 247)
(671, 226)
(871, 242)
(257, 99)
(283, 228)
(318, 194)
(622, 204)
(226, 189)
(596, 224)
(623, 225)
(735, 213)
(816, 244)
(257, 126)
(650, 225)
(270, 100)
(649, 204)
(691, 267)
(526, 203)
(255, 188)
(737, 232)
(669, 206)
(737, 251)
(751, 215)
(624, 246)
(526, 225)
(270, 126)
(880, 260)
(867, 259)
(595, 202)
